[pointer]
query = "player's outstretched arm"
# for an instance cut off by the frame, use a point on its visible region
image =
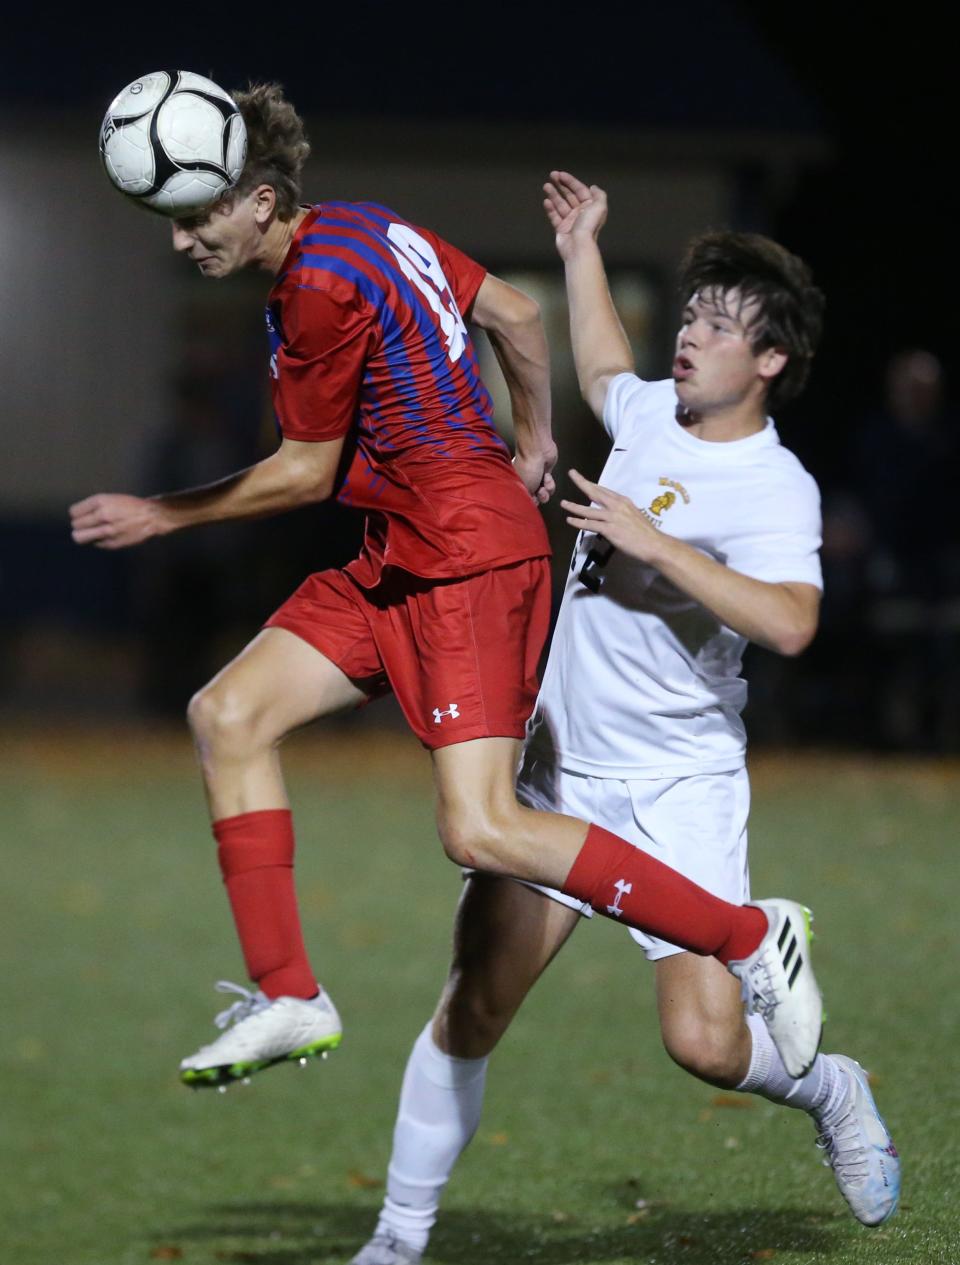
(512, 322)
(296, 474)
(601, 350)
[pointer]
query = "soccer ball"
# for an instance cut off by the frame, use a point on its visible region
(173, 141)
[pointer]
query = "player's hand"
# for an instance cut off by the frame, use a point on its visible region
(615, 518)
(535, 472)
(576, 211)
(111, 520)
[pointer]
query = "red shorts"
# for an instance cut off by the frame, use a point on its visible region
(460, 655)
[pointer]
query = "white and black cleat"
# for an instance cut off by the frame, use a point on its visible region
(778, 984)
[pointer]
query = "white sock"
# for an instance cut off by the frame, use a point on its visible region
(440, 1105)
(817, 1093)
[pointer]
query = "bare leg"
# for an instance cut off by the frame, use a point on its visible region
(702, 1019)
(482, 825)
(505, 936)
(274, 686)
(278, 683)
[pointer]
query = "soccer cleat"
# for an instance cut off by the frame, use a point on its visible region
(778, 984)
(858, 1147)
(387, 1249)
(259, 1033)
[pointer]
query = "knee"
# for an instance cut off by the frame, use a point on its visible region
(220, 718)
(479, 836)
(708, 1050)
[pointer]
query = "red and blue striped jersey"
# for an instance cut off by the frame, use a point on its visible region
(368, 341)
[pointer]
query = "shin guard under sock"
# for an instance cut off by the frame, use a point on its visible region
(439, 1111)
(256, 859)
(623, 882)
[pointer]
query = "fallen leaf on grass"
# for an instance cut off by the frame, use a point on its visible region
(31, 1049)
(83, 898)
(763, 1254)
(166, 1252)
(362, 1181)
(739, 1102)
(498, 1139)
(361, 935)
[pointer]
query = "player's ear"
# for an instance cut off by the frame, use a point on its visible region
(264, 203)
(771, 362)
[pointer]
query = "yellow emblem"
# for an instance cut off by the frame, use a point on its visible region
(662, 502)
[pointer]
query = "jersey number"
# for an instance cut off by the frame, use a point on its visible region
(419, 264)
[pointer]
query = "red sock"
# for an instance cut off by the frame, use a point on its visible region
(623, 882)
(256, 859)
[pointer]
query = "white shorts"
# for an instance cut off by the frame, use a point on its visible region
(695, 824)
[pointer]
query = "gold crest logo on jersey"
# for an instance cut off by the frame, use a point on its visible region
(661, 503)
(664, 501)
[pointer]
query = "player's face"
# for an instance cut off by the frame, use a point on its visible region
(222, 240)
(715, 368)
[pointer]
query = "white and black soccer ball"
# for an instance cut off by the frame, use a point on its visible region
(173, 141)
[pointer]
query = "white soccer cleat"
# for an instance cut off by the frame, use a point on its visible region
(259, 1033)
(387, 1249)
(778, 984)
(859, 1148)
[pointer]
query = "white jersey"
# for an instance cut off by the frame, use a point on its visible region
(642, 681)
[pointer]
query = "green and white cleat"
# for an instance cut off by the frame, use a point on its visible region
(261, 1033)
(778, 984)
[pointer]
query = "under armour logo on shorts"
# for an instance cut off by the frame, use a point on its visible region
(453, 711)
(623, 889)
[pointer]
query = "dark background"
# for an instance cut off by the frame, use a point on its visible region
(873, 214)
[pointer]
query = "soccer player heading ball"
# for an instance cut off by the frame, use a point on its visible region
(380, 404)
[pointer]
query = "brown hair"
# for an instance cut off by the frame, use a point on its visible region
(277, 145)
(789, 312)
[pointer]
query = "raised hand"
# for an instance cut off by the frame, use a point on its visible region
(576, 211)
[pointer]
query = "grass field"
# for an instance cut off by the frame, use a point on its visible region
(593, 1146)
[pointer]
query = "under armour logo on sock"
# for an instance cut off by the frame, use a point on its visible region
(453, 711)
(623, 889)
